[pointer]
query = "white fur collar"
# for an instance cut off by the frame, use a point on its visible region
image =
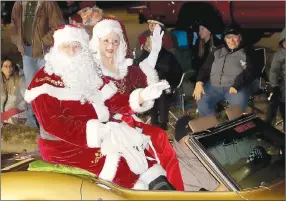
(122, 69)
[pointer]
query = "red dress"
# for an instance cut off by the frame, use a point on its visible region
(130, 81)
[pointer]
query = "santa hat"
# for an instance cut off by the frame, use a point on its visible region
(76, 17)
(69, 33)
(108, 24)
(155, 19)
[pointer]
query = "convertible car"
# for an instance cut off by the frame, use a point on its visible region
(245, 155)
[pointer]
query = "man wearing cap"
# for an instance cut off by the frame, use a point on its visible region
(225, 75)
(169, 40)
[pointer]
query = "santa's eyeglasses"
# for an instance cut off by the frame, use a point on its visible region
(107, 42)
(75, 46)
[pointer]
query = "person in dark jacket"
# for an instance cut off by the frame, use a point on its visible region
(226, 74)
(169, 39)
(70, 8)
(206, 42)
(168, 68)
(277, 81)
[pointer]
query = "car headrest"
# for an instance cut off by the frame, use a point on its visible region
(203, 123)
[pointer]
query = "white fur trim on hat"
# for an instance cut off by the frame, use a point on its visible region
(70, 33)
(106, 26)
(156, 22)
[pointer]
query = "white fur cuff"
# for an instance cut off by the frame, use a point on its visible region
(147, 177)
(94, 133)
(151, 73)
(134, 102)
(59, 93)
(108, 91)
(110, 167)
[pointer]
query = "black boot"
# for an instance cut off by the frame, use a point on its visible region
(161, 183)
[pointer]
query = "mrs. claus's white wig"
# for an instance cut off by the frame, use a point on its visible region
(103, 28)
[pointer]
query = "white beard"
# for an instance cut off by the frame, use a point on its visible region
(78, 72)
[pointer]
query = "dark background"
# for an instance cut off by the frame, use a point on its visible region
(6, 7)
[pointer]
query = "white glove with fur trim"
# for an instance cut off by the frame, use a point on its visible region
(154, 91)
(129, 142)
(156, 39)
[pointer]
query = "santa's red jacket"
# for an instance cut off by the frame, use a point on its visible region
(75, 140)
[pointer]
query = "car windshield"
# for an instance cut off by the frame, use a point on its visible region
(251, 153)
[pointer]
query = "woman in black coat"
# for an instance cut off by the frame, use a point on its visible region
(206, 42)
(168, 68)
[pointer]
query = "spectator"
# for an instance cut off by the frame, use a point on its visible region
(13, 89)
(206, 42)
(6, 8)
(226, 74)
(169, 40)
(32, 27)
(90, 16)
(76, 20)
(277, 81)
(168, 69)
(70, 8)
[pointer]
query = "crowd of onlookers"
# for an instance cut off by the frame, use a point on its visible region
(225, 68)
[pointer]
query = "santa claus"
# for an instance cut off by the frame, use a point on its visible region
(70, 103)
(136, 84)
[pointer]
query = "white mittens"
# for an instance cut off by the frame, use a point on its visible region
(154, 91)
(129, 143)
(156, 39)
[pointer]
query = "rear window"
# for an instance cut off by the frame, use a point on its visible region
(251, 153)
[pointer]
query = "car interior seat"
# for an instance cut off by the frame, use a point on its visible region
(257, 160)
